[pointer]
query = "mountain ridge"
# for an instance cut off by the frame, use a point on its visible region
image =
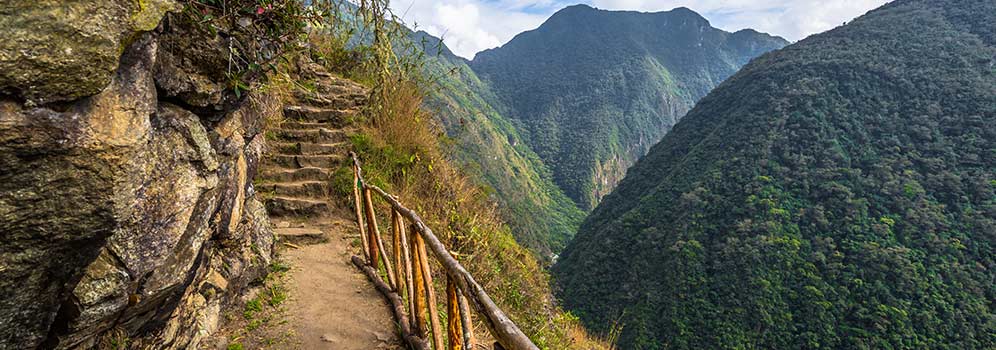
(832, 194)
(474, 111)
(570, 72)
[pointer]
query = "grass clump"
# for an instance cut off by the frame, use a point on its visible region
(263, 316)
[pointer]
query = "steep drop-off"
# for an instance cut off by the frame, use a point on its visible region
(836, 194)
(490, 148)
(591, 90)
(127, 219)
(552, 119)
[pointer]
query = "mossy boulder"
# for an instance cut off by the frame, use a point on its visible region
(127, 215)
(61, 50)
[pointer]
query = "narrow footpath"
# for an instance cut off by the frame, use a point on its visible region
(332, 305)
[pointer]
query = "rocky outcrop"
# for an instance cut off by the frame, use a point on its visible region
(127, 209)
(58, 50)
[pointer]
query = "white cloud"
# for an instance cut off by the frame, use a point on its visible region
(792, 19)
(470, 26)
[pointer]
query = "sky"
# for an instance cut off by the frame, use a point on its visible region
(471, 26)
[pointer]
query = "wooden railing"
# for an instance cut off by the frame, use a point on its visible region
(409, 285)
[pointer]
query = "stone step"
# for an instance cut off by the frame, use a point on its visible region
(334, 101)
(305, 148)
(338, 87)
(291, 124)
(321, 135)
(279, 206)
(301, 235)
(293, 161)
(336, 118)
(320, 72)
(276, 174)
(309, 189)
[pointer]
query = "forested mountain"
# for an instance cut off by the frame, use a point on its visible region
(836, 194)
(567, 107)
(591, 90)
(489, 147)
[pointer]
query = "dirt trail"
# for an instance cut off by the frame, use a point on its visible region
(333, 305)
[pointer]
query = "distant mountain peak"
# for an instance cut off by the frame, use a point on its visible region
(595, 88)
(577, 7)
(683, 11)
(586, 9)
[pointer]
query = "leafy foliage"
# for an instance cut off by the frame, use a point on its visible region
(259, 33)
(837, 194)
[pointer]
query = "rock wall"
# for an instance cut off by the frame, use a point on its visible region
(127, 211)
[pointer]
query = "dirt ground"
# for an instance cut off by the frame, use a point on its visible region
(329, 303)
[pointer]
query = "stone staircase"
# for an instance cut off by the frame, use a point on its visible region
(305, 150)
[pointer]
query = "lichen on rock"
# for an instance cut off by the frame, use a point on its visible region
(59, 50)
(125, 210)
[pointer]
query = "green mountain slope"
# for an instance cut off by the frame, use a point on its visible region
(587, 139)
(591, 90)
(836, 194)
(490, 148)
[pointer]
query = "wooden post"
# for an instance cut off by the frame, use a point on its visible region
(387, 262)
(414, 342)
(437, 333)
(468, 323)
(454, 325)
(418, 287)
(409, 279)
(396, 227)
(359, 209)
(376, 243)
(371, 228)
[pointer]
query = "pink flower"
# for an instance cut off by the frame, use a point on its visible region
(260, 10)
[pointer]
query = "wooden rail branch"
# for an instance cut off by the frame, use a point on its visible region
(468, 322)
(409, 279)
(372, 234)
(397, 306)
(357, 205)
(454, 325)
(502, 328)
(396, 227)
(418, 300)
(376, 241)
(387, 260)
(430, 292)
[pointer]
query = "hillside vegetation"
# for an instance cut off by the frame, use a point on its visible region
(489, 147)
(591, 90)
(837, 194)
(551, 120)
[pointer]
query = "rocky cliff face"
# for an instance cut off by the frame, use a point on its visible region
(127, 210)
